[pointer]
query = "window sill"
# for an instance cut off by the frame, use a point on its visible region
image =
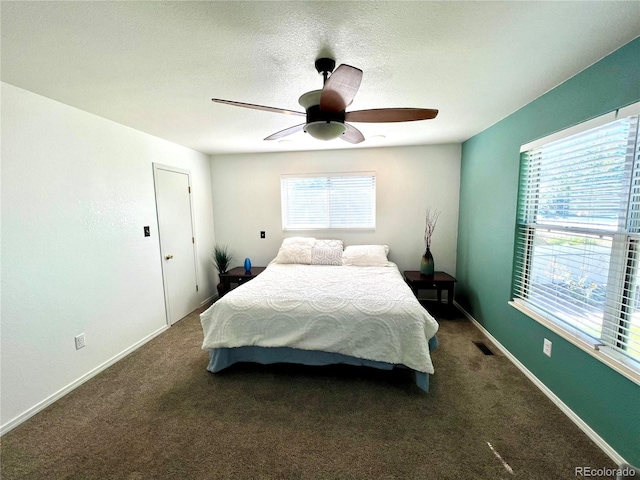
(584, 343)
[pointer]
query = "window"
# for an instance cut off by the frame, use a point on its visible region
(578, 238)
(329, 201)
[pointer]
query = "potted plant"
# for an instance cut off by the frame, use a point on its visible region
(221, 259)
(427, 265)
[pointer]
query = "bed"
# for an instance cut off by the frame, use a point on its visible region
(318, 306)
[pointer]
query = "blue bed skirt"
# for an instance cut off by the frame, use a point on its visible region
(221, 358)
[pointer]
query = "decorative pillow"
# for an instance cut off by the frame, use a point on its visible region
(327, 252)
(366, 256)
(295, 250)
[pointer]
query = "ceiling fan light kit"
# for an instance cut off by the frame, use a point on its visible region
(325, 130)
(325, 109)
(320, 124)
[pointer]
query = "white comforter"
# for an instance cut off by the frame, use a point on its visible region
(364, 312)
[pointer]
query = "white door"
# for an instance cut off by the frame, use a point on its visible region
(177, 241)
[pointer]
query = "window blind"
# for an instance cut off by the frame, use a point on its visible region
(328, 201)
(578, 239)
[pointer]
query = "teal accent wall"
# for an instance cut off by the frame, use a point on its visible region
(607, 401)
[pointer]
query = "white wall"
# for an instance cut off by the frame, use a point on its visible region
(246, 199)
(76, 192)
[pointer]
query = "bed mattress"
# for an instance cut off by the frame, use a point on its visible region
(362, 312)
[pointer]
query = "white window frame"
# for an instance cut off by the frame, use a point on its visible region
(329, 210)
(593, 346)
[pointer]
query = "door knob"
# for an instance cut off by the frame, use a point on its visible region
(168, 256)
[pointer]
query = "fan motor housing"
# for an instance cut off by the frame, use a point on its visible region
(314, 114)
(310, 101)
(321, 124)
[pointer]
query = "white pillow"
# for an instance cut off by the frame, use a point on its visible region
(299, 241)
(295, 250)
(366, 256)
(327, 252)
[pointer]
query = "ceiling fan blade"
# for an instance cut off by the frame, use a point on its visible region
(286, 131)
(258, 107)
(384, 115)
(340, 88)
(352, 134)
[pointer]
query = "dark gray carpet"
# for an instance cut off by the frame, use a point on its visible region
(159, 414)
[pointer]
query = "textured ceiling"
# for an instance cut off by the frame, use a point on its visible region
(154, 66)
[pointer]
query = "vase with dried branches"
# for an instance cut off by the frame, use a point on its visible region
(427, 266)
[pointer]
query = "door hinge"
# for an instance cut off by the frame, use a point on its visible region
(193, 240)
(196, 288)
(189, 189)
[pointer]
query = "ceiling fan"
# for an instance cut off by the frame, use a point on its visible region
(325, 109)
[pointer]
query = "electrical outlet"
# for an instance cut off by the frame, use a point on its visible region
(80, 341)
(546, 348)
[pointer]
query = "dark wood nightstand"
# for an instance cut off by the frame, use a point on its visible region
(438, 281)
(238, 276)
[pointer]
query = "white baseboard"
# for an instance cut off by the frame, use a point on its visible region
(597, 439)
(209, 299)
(11, 424)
